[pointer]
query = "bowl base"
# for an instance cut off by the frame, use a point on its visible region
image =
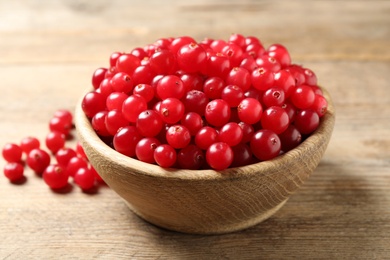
(211, 229)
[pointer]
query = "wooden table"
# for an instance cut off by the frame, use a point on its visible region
(48, 51)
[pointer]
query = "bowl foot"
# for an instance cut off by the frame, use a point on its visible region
(210, 229)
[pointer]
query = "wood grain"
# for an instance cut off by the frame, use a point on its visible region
(48, 51)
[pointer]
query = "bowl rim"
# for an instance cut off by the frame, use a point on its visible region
(84, 128)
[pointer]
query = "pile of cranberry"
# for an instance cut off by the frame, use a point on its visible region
(183, 104)
(56, 172)
(210, 104)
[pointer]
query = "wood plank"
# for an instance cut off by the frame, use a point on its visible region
(48, 51)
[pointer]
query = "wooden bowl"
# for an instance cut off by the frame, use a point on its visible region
(206, 201)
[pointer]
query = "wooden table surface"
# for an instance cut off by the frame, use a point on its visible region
(48, 51)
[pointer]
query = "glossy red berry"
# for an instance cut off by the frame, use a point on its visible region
(195, 101)
(165, 155)
(55, 176)
(265, 145)
(268, 63)
(275, 119)
(231, 134)
(247, 131)
(306, 121)
(242, 155)
(255, 50)
(115, 100)
(114, 57)
(298, 73)
(144, 90)
(290, 138)
(179, 42)
(133, 106)
(145, 149)
(38, 160)
(115, 121)
(170, 86)
(262, 79)
(191, 157)
(218, 45)
(138, 52)
(65, 116)
(85, 178)
(237, 39)
(240, 77)
(14, 171)
(126, 140)
(219, 156)
(213, 87)
(249, 63)
(217, 112)
(12, 152)
(98, 76)
(280, 53)
(74, 164)
(55, 141)
(303, 97)
(149, 123)
(110, 72)
(127, 63)
(250, 111)
(162, 62)
(205, 137)
(191, 58)
(253, 93)
(273, 97)
(105, 88)
(92, 103)
(80, 151)
(320, 105)
(291, 111)
(285, 81)
(164, 43)
(171, 110)
(143, 74)
(60, 125)
(192, 121)
(252, 40)
(29, 143)
(234, 53)
(218, 65)
(310, 77)
(233, 95)
(122, 82)
(178, 136)
(192, 81)
(98, 123)
(64, 155)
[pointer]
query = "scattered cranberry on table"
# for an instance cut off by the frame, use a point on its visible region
(56, 163)
(210, 104)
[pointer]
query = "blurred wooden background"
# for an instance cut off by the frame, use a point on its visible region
(48, 51)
